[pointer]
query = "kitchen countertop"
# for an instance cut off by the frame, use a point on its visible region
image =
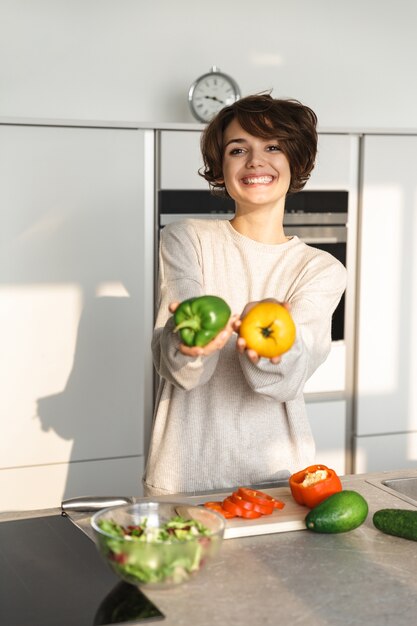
(300, 577)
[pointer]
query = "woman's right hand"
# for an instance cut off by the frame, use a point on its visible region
(215, 344)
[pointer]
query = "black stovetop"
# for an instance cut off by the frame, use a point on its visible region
(51, 574)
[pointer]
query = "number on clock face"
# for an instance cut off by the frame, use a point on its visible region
(212, 94)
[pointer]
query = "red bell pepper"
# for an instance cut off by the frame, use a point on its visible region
(314, 484)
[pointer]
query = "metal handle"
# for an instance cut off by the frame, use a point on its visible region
(93, 503)
(319, 240)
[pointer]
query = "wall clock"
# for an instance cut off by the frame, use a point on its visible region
(210, 93)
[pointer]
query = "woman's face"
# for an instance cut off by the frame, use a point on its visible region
(255, 170)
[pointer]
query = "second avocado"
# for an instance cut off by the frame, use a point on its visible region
(339, 513)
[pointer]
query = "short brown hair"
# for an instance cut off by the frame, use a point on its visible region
(288, 121)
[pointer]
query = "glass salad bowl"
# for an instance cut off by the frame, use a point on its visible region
(157, 544)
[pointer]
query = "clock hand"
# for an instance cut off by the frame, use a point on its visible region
(214, 98)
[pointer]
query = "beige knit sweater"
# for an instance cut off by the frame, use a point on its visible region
(221, 421)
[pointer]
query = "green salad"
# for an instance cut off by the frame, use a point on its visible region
(143, 553)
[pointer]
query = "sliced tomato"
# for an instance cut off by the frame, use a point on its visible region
(238, 510)
(217, 506)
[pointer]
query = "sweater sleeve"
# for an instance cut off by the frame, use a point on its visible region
(180, 278)
(313, 300)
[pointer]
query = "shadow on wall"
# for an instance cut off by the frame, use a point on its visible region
(98, 407)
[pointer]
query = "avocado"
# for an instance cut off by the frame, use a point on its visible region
(398, 522)
(339, 513)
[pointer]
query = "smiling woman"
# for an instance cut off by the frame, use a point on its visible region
(287, 123)
(225, 415)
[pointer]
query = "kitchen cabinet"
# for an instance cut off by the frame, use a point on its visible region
(75, 321)
(31, 487)
(386, 391)
(180, 159)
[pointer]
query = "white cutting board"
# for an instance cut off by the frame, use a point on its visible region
(291, 517)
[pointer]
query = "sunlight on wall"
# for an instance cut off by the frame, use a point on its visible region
(379, 333)
(114, 290)
(39, 328)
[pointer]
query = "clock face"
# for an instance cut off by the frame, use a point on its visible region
(210, 93)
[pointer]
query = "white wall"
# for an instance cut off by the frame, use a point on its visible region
(352, 61)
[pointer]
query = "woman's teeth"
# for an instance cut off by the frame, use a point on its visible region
(257, 180)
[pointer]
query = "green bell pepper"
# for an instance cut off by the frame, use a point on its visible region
(199, 320)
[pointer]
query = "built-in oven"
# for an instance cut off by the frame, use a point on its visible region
(318, 217)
